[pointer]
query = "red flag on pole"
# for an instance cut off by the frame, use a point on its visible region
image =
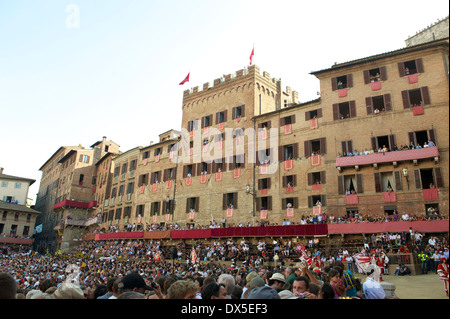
(186, 79)
(251, 56)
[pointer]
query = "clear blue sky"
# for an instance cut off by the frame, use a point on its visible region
(117, 73)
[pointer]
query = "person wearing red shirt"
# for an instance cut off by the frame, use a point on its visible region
(443, 272)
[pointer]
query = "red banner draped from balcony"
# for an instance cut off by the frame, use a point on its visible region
(287, 129)
(132, 234)
(290, 212)
(203, 179)
(291, 230)
(315, 160)
(193, 233)
(264, 169)
(12, 240)
(316, 187)
(236, 173)
(342, 92)
(157, 234)
(389, 197)
(263, 214)
(313, 124)
(229, 213)
(417, 110)
(412, 78)
(395, 227)
(218, 176)
(351, 199)
(76, 204)
(375, 85)
(188, 181)
(429, 194)
(288, 165)
(169, 183)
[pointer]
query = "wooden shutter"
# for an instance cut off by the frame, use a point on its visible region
(307, 116)
(412, 138)
(359, 184)
(292, 119)
(310, 179)
(369, 105)
(323, 145)
(295, 205)
(377, 178)
(391, 141)
(310, 201)
(344, 147)
(352, 108)
(387, 102)
(341, 185)
(417, 179)
(438, 177)
(401, 69)
(323, 177)
(283, 203)
(398, 181)
(295, 150)
(282, 120)
(258, 203)
(419, 65)
(425, 95)
(294, 180)
(405, 98)
(242, 110)
(366, 76)
(235, 200)
(334, 84)
(383, 73)
(349, 80)
(224, 202)
(350, 146)
(268, 183)
(319, 113)
(432, 135)
(323, 200)
(373, 139)
(335, 112)
(187, 205)
(197, 204)
(281, 153)
(284, 181)
(269, 203)
(307, 149)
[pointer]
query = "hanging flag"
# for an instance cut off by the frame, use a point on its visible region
(251, 56)
(186, 79)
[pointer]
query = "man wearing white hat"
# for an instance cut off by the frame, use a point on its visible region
(277, 281)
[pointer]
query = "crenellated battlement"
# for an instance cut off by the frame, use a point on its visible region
(252, 72)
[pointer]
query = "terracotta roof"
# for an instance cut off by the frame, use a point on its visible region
(437, 43)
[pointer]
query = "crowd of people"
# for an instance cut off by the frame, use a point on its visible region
(384, 149)
(352, 217)
(148, 269)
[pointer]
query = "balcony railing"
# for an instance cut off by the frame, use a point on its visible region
(388, 157)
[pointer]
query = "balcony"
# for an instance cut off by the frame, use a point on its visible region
(388, 157)
(82, 222)
(75, 204)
